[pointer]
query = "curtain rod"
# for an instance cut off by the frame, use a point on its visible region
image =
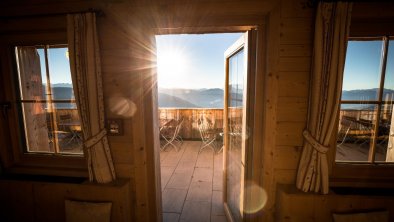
(99, 13)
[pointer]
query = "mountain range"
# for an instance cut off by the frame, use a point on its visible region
(365, 95)
(213, 97)
(61, 91)
(191, 98)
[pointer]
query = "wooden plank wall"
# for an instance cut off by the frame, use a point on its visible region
(296, 43)
(45, 201)
(296, 46)
(128, 55)
(290, 38)
(294, 205)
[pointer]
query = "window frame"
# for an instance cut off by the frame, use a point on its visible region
(50, 101)
(13, 157)
(370, 173)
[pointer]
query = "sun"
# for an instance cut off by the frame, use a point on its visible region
(172, 64)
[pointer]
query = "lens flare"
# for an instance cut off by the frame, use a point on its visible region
(122, 106)
(257, 200)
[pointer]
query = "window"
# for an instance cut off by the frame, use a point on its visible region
(51, 123)
(39, 122)
(365, 130)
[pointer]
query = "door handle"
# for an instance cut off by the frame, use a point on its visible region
(4, 108)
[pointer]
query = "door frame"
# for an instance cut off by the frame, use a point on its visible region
(255, 103)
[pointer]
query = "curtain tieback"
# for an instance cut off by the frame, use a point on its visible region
(95, 139)
(311, 140)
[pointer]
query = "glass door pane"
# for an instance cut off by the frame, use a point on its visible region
(234, 141)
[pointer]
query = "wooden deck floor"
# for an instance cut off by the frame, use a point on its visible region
(192, 184)
(359, 152)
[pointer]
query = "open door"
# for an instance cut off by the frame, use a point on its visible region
(239, 71)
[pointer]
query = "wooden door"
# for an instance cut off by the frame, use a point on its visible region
(237, 134)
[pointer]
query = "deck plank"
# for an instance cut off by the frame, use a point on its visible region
(217, 203)
(205, 158)
(196, 211)
(202, 174)
(173, 200)
(171, 217)
(200, 191)
(192, 184)
(166, 173)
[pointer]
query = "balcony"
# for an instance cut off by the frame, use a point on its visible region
(189, 129)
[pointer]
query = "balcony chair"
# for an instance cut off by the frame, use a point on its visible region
(169, 132)
(208, 134)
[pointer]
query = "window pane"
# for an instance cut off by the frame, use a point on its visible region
(385, 139)
(69, 131)
(236, 81)
(51, 121)
(389, 80)
(60, 75)
(355, 132)
(387, 145)
(235, 137)
(47, 132)
(37, 128)
(362, 70)
(41, 53)
(31, 63)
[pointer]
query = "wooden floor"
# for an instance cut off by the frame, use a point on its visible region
(359, 152)
(192, 184)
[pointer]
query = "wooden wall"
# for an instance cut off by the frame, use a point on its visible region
(295, 50)
(128, 55)
(45, 201)
(294, 205)
(290, 41)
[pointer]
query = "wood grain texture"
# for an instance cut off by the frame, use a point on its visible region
(287, 157)
(324, 205)
(292, 109)
(290, 133)
(271, 81)
(122, 36)
(49, 206)
(294, 84)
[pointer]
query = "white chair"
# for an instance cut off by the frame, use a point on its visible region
(208, 134)
(170, 133)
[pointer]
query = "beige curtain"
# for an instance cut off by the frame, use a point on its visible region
(88, 89)
(331, 31)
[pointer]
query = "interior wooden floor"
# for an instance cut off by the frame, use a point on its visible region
(192, 184)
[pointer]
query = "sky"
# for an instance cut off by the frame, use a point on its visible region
(59, 66)
(192, 61)
(362, 66)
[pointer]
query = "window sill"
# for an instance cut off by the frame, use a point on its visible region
(44, 165)
(362, 175)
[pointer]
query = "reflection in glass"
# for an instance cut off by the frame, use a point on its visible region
(384, 151)
(235, 138)
(355, 132)
(388, 94)
(387, 146)
(236, 69)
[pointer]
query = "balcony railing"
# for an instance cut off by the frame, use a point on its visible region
(189, 130)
